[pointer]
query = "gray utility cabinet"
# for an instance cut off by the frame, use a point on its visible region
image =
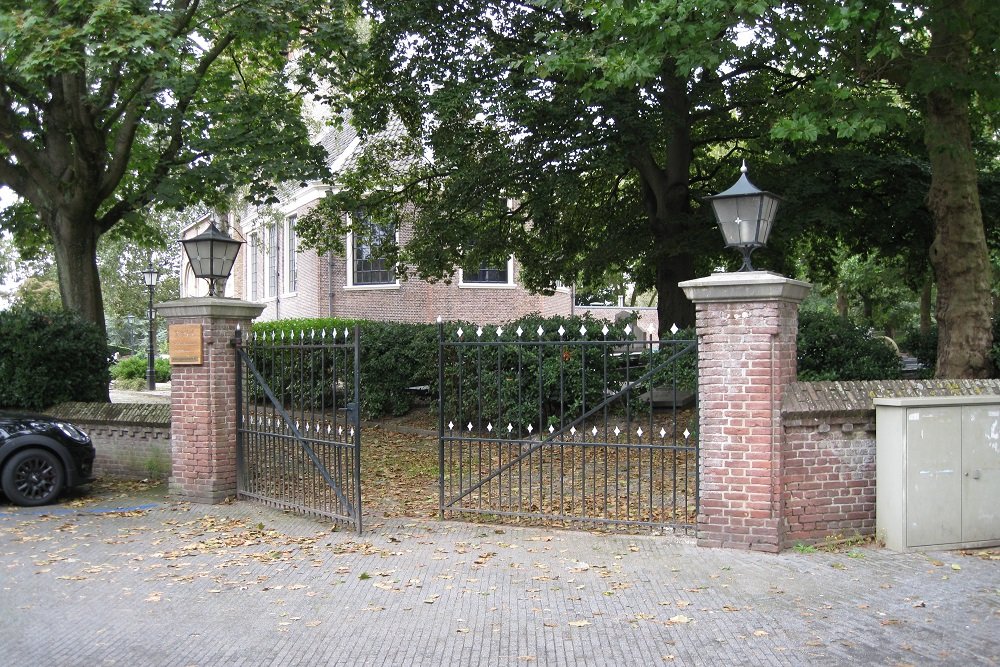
(937, 472)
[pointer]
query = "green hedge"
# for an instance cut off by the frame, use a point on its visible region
(50, 357)
(394, 357)
(134, 368)
(831, 348)
(543, 380)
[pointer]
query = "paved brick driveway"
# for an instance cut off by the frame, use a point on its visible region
(166, 583)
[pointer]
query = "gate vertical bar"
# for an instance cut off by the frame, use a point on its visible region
(440, 418)
(357, 424)
(236, 343)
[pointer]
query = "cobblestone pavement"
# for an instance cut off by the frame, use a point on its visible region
(167, 583)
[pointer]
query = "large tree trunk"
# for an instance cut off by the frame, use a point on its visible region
(672, 306)
(958, 254)
(843, 304)
(76, 258)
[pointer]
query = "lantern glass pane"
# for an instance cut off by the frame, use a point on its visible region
(769, 209)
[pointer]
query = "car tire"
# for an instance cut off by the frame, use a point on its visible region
(33, 477)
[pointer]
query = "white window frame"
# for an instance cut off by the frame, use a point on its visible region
(349, 259)
(272, 261)
(291, 277)
(251, 258)
(510, 284)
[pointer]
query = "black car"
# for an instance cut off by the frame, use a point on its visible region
(40, 457)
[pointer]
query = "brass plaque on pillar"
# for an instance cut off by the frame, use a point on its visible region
(185, 344)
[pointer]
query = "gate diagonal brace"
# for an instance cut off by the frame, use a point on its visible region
(296, 433)
(579, 420)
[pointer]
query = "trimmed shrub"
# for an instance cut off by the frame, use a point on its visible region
(394, 357)
(50, 357)
(548, 379)
(134, 368)
(831, 348)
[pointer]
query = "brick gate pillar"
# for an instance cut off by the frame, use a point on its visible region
(203, 394)
(746, 325)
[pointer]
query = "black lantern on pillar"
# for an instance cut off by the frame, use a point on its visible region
(212, 255)
(745, 215)
(151, 276)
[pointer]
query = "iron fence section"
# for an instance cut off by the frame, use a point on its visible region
(298, 436)
(586, 430)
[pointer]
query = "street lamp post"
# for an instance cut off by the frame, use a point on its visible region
(151, 276)
(745, 215)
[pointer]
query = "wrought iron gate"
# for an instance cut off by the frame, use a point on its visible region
(298, 437)
(590, 429)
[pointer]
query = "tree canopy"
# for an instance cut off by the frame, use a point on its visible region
(580, 136)
(109, 107)
(931, 65)
(576, 136)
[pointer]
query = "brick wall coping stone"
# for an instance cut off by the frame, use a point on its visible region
(745, 286)
(855, 398)
(210, 306)
(140, 414)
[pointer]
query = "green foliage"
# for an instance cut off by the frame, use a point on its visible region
(551, 379)
(831, 348)
(929, 69)
(134, 367)
(153, 103)
(394, 357)
(50, 357)
(923, 346)
(39, 292)
(577, 136)
(131, 384)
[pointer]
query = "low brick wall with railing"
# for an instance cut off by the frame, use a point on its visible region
(828, 452)
(132, 439)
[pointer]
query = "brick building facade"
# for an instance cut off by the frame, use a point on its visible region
(293, 283)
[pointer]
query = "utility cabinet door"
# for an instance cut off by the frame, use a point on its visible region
(981, 473)
(933, 475)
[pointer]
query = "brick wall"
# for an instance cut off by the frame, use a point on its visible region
(828, 452)
(416, 300)
(132, 440)
(829, 476)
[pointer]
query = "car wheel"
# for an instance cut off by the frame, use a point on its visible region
(33, 477)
